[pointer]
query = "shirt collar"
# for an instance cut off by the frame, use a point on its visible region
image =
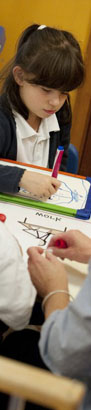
(25, 130)
(52, 122)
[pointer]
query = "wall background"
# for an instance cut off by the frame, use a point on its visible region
(72, 15)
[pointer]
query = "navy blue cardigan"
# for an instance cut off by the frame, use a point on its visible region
(10, 176)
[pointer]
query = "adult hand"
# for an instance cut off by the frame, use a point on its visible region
(39, 185)
(47, 273)
(78, 246)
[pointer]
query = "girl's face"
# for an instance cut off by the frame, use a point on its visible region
(40, 100)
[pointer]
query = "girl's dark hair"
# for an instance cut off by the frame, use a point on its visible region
(52, 56)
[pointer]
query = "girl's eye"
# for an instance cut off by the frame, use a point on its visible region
(45, 89)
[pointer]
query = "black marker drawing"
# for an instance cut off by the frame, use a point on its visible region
(40, 233)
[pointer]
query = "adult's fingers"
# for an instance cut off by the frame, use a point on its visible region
(36, 249)
(54, 238)
(60, 253)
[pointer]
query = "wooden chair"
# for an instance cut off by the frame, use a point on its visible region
(39, 386)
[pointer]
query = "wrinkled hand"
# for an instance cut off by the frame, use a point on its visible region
(78, 246)
(39, 185)
(47, 273)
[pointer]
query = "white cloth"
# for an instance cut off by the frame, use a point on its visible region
(33, 146)
(17, 293)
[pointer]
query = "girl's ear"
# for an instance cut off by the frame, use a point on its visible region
(18, 75)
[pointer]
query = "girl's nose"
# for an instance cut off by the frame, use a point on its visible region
(55, 99)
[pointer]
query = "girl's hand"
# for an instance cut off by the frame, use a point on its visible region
(78, 246)
(47, 273)
(39, 185)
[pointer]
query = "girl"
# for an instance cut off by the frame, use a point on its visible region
(35, 113)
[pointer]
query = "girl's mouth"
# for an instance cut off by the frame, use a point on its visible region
(50, 111)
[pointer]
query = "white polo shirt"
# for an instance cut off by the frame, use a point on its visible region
(32, 146)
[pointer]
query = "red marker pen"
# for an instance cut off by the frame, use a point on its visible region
(60, 243)
(57, 161)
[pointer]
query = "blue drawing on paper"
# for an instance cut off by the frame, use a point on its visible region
(72, 194)
(2, 38)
